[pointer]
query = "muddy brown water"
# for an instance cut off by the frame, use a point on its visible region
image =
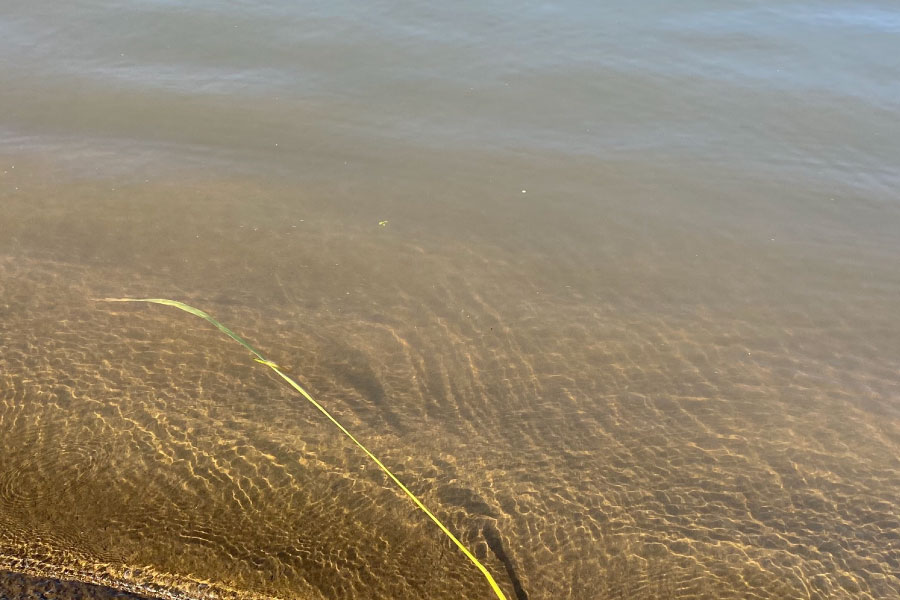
(615, 292)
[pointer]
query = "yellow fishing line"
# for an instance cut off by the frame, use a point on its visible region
(263, 360)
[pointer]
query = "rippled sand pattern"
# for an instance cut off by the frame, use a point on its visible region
(586, 443)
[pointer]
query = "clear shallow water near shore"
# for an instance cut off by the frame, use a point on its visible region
(630, 328)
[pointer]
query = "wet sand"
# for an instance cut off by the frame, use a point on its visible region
(25, 587)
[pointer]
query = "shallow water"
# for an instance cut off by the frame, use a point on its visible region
(613, 290)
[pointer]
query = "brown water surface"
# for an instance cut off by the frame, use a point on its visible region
(629, 328)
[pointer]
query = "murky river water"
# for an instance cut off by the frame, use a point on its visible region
(613, 289)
